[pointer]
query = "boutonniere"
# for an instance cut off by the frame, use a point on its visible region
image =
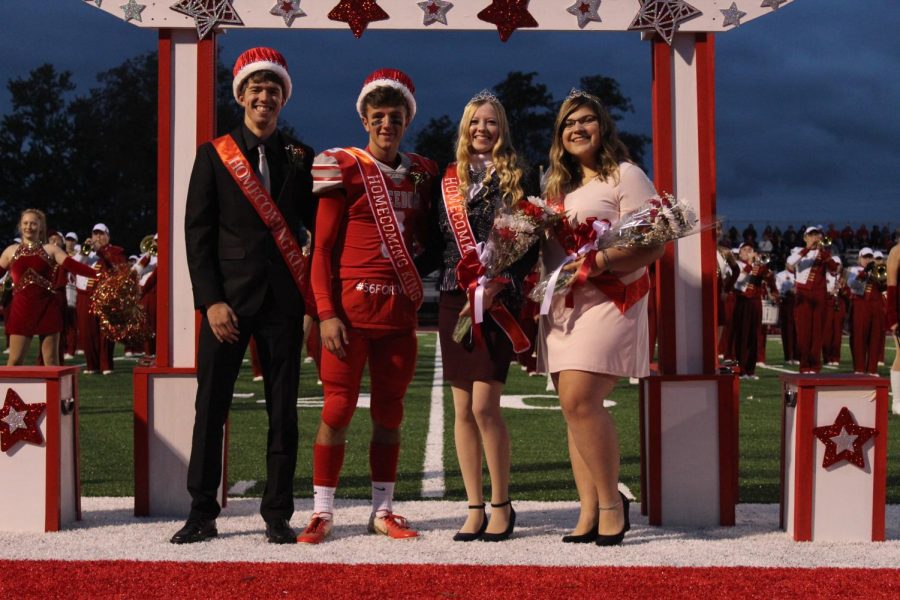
(296, 155)
(416, 177)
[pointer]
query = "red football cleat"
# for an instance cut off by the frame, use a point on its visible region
(318, 529)
(391, 525)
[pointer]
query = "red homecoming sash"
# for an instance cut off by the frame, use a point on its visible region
(469, 269)
(388, 226)
(240, 170)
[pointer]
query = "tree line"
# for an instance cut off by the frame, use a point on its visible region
(92, 157)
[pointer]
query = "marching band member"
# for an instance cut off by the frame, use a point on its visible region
(145, 267)
(892, 310)
(727, 269)
(70, 328)
(373, 214)
(880, 259)
(785, 283)
(748, 308)
(835, 312)
(867, 315)
(809, 266)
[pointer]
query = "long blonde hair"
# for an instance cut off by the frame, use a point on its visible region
(503, 154)
(564, 174)
(42, 221)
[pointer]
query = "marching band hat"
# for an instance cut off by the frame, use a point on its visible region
(100, 227)
(72, 236)
(260, 59)
(812, 229)
(866, 251)
(878, 254)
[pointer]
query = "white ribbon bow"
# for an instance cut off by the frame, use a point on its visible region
(600, 227)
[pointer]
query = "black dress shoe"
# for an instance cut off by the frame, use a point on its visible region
(615, 540)
(582, 538)
(278, 531)
(195, 530)
(471, 537)
(504, 535)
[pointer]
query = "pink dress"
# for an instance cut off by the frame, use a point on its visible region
(594, 335)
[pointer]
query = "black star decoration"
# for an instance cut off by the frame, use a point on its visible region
(208, 13)
(851, 438)
(508, 15)
(663, 16)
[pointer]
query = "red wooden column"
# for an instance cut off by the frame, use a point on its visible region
(164, 394)
(688, 411)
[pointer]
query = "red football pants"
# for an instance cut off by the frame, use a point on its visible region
(809, 317)
(391, 356)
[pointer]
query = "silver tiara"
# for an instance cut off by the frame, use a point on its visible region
(484, 96)
(576, 93)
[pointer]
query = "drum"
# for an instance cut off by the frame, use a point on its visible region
(769, 313)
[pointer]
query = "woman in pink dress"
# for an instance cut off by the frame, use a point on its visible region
(35, 309)
(600, 334)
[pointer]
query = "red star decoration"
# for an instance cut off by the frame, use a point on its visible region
(844, 427)
(358, 14)
(508, 15)
(19, 421)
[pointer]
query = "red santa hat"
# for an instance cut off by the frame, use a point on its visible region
(260, 59)
(394, 78)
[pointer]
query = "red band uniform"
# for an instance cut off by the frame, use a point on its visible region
(867, 319)
(809, 267)
(98, 349)
(835, 313)
(748, 313)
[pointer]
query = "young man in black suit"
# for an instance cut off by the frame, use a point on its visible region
(249, 201)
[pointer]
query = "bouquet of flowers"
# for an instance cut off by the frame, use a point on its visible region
(661, 219)
(513, 233)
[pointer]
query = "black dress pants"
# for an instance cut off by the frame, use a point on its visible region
(278, 339)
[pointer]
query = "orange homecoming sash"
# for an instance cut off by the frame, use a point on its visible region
(240, 170)
(469, 270)
(388, 226)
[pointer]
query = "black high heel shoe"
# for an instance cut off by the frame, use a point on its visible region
(499, 537)
(471, 537)
(583, 538)
(616, 539)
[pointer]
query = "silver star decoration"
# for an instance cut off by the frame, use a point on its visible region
(663, 16)
(133, 10)
(97, 2)
(773, 4)
(287, 10)
(586, 11)
(435, 11)
(843, 441)
(15, 419)
(732, 15)
(208, 13)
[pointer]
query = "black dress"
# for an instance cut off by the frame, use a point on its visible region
(467, 361)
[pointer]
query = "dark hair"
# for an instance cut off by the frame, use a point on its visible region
(259, 77)
(385, 96)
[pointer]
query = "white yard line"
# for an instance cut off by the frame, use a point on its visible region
(240, 487)
(779, 369)
(433, 469)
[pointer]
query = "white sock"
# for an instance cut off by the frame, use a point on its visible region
(895, 388)
(323, 501)
(382, 497)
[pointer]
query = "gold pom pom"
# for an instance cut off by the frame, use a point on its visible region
(116, 303)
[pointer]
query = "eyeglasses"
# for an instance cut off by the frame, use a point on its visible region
(583, 121)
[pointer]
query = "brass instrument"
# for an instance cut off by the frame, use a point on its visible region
(763, 258)
(826, 242)
(878, 276)
(87, 247)
(149, 245)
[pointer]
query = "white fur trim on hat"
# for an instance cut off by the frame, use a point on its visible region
(391, 78)
(260, 59)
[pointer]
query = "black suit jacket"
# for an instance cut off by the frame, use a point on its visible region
(231, 254)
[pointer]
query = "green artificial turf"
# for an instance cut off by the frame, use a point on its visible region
(540, 468)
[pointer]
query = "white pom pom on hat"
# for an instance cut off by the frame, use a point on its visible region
(260, 59)
(394, 78)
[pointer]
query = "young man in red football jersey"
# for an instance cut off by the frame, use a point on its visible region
(373, 210)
